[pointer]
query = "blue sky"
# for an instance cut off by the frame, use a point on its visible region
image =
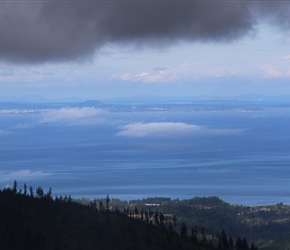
(255, 63)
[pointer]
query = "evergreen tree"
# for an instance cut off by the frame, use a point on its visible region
(136, 211)
(245, 244)
(15, 187)
(203, 236)
(142, 214)
(161, 218)
(146, 217)
(231, 243)
(31, 191)
(39, 192)
(253, 247)
(174, 221)
(107, 202)
(239, 244)
(183, 231)
(156, 218)
(25, 189)
(170, 229)
(224, 240)
(48, 194)
(193, 236)
(101, 206)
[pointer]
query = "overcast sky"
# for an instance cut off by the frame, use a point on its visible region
(98, 49)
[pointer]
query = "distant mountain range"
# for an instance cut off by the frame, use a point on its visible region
(249, 102)
(28, 99)
(50, 105)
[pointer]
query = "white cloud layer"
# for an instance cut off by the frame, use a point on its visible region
(171, 129)
(73, 116)
(24, 174)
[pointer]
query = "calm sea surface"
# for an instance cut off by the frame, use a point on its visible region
(242, 157)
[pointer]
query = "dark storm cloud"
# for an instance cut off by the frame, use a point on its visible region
(43, 31)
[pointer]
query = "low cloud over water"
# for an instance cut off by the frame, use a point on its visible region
(172, 129)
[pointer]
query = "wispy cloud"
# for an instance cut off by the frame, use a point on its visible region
(10, 74)
(270, 71)
(171, 129)
(286, 58)
(180, 73)
(24, 125)
(72, 116)
(4, 132)
(156, 74)
(24, 174)
(275, 71)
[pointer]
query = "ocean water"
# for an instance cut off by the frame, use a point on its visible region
(242, 156)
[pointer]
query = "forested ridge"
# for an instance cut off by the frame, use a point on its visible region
(268, 226)
(31, 218)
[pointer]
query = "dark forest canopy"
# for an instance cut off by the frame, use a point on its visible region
(32, 219)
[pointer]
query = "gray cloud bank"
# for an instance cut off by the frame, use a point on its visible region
(41, 31)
